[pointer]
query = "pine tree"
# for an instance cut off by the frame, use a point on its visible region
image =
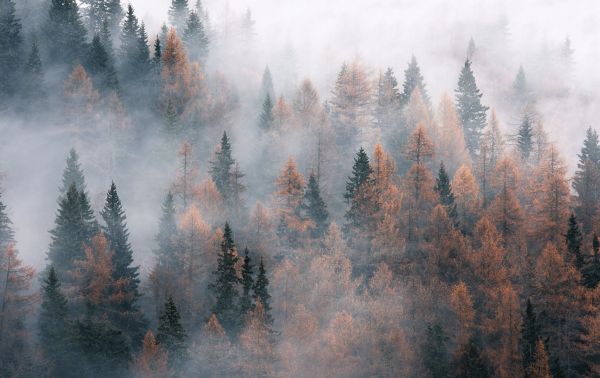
(525, 137)
(157, 56)
(586, 181)
(171, 336)
(413, 80)
(221, 168)
(135, 54)
(435, 353)
(361, 173)
(444, 189)
(574, 239)
(472, 113)
(261, 291)
(127, 315)
(266, 119)
(54, 327)
(178, 13)
(100, 12)
(167, 233)
(529, 336)
(142, 57)
(266, 86)
(591, 273)
(33, 78)
(225, 285)
(99, 66)
(195, 38)
(64, 33)
(73, 174)
(10, 49)
(314, 207)
(247, 285)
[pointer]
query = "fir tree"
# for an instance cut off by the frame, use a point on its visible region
(33, 79)
(10, 48)
(443, 187)
(265, 120)
(247, 285)
(54, 328)
(171, 335)
(65, 34)
(525, 137)
(178, 13)
(225, 285)
(195, 38)
(126, 313)
(591, 273)
(361, 173)
(529, 336)
(586, 181)
(157, 57)
(226, 175)
(73, 174)
(314, 207)
(167, 233)
(99, 66)
(261, 291)
(435, 353)
(468, 104)
(573, 239)
(135, 55)
(413, 79)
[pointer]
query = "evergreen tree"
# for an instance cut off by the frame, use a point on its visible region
(529, 336)
(247, 285)
(226, 175)
(7, 235)
(74, 227)
(171, 335)
(135, 54)
(471, 364)
(468, 104)
(99, 12)
(33, 79)
(361, 173)
(586, 181)
(591, 273)
(54, 328)
(435, 353)
(195, 38)
(65, 34)
(178, 13)
(266, 119)
(413, 79)
(225, 285)
(73, 174)
(261, 291)
(266, 86)
(157, 57)
(10, 49)
(520, 89)
(171, 119)
(126, 314)
(525, 137)
(573, 240)
(388, 101)
(314, 207)
(443, 187)
(167, 233)
(99, 66)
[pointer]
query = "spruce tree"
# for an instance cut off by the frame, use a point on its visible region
(247, 285)
(520, 88)
(387, 108)
(171, 336)
(525, 137)
(11, 48)
(586, 181)
(73, 174)
(126, 313)
(100, 67)
(265, 120)
(221, 170)
(435, 353)
(167, 233)
(6, 232)
(135, 54)
(468, 104)
(54, 327)
(142, 58)
(573, 239)
(225, 285)
(65, 34)
(157, 56)
(591, 273)
(361, 173)
(412, 80)
(266, 86)
(178, 13)
(33, 75)
(314, 208)
(443, 187)
(529, 336)
(195, 38)
(261, 291)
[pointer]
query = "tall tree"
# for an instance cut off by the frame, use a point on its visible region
(413, 80)
(525, 137)
(472, 113)
(435, 353)
(195, 38)
(7, 235)
(471, 364)
(247, 284)
(135, 54)
(178, 13)
(443, 187)
(261, 291)
(315, 208)
(361, 173)
(100, 67)
(529, 336)
(573, 239)
(171, 335)
(586, 181)
(266, 86)
(266, 118)
(64, 33)
(10, 49)
(73, 174)
(33, 74)
(591, 273)
(226, 174)
(387, 105)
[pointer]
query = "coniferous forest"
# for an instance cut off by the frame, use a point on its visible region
(181, 198)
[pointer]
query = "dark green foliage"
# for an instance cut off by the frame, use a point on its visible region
(100, 12)
(435, 353)
(314, 208)
(171, 335)
(471, 364)
(361, 173)
(265, 120)
(195, 38)
(261, 291)
(413, 79)
(247, 285)
(167, 233)
(99, 66)
(586, 181)
(178, 13)
(226, 175)
(225, 285)
(525, 137)
(142, 52)
(573, 239)
(470, 110)
(591, 273)
(443, 187)
(33, 78)
(6, 232)
(54, 327)
(73, 174)
(529, 336)
(74, 226)
(135, 54)
(64, 33)
(157, 57)
(126, 313)
(10, 48)
(363, 200)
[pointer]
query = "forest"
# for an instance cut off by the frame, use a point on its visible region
(179, 198)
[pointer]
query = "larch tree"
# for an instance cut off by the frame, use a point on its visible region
(153, 360)
(454, 151)
(289, 196)
(467, 197)
(187, 175)
(540, 368)
(80, 99)
(470, 110)
(464, 313)
(282, 114)
(505, 209)
(306, 105)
